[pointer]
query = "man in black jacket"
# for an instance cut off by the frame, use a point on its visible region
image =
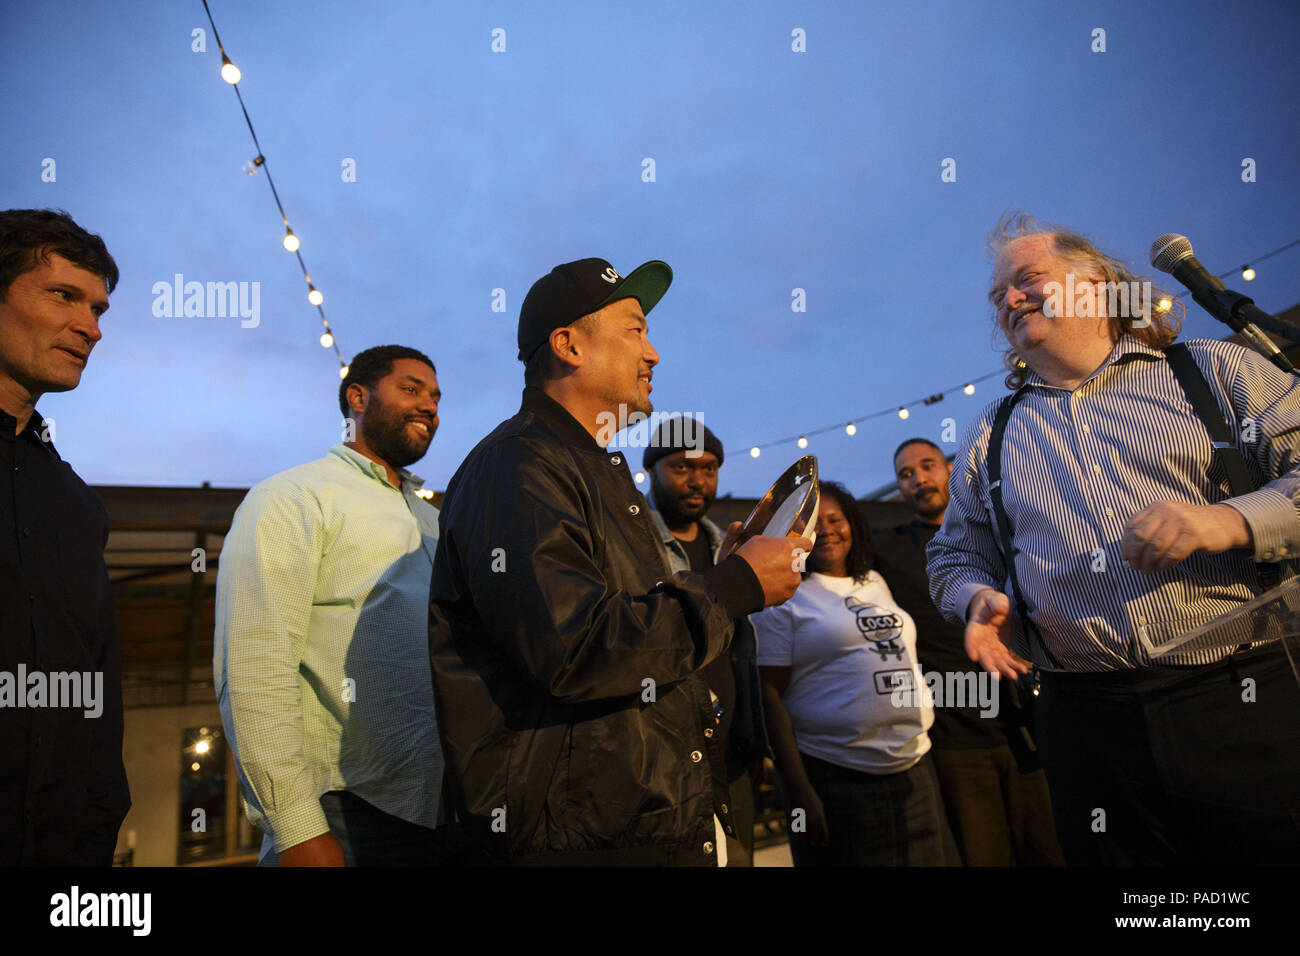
(63, 791)
(567, 660)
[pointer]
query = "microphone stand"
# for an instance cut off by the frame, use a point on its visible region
(1242, 315)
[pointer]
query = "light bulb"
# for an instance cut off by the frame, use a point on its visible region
(290, 240)
(850, 429)
(343, 372)
(803, 442)
(1248, 274)
(639, 476)
(326, 340)
(903, 413)
(229, 72)
(314, 295)
(968, 389)
(753, 452)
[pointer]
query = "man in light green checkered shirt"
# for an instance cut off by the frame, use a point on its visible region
(320, 660)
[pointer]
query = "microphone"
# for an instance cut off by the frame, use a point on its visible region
(1173, 254)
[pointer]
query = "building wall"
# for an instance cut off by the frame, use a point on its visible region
(151, 749)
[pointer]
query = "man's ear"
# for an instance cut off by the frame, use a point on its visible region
(566, 347)
(361, 394)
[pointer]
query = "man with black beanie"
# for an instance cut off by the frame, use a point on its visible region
(683, 458)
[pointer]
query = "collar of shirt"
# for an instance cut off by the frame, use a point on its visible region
(34, 424)
(561, 421)
(1126, 349)
(410, 480)
(669, 539)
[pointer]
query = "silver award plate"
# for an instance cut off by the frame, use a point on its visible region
(790, 505)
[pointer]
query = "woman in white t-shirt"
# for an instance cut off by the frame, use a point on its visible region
(846, 709)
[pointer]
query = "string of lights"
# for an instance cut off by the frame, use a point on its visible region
(231, 74)
(903, 411)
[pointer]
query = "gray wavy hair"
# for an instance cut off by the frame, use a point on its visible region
(1078, 249)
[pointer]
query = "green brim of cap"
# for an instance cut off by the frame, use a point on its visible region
(647, 283)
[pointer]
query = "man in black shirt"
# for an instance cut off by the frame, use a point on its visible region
(63, 790)
(682, 460)
(993, 788)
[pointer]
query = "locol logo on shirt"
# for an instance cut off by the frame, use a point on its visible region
(879, 626)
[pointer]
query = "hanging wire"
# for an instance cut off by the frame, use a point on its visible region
(939, 396)
(260, 161)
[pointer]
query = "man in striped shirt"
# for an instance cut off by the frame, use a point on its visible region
(1125, 537)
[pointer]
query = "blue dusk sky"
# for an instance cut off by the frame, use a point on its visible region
(774, 169)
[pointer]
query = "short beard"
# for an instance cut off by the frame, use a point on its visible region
(385, 432)
(928, 514)
(646, 407)
(668, 506)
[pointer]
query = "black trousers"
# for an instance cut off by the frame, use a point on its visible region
(1175, 766)
(892, 819)
(999, 813)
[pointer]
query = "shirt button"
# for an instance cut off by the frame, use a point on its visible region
(696, 756)
(724, 809)
(1086, 429)
(634, 509)
(708, 847)
(1110, 513)
(27, 532)
(616, 460)
(1097, 469)
(708, 731)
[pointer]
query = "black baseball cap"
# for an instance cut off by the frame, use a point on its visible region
(574, 289)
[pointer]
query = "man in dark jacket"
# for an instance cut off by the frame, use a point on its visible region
(567, 661)
(683, 483)
(63, 791)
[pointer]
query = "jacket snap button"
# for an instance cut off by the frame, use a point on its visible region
(696, 756)
(708, 847)
(724, 809)
(635, 509)
(708, 731)
(616, 460)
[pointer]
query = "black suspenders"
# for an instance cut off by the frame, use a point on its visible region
(1225, 449)
(1004, 526)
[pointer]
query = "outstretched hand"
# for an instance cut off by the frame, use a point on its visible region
(988, 635)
